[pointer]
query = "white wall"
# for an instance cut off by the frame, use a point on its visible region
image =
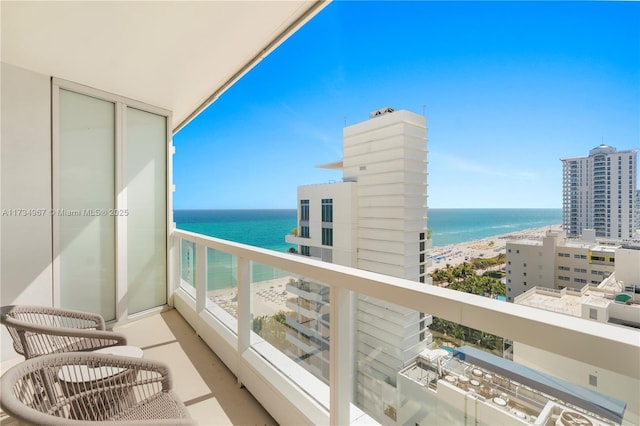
(628, 266)
(25, 253)
(344, 219)
(388, 156)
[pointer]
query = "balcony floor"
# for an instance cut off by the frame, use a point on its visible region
(208, 389)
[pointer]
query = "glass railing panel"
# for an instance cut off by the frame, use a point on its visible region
(290, 327)
(468, 376)
(409, 367)
(188, 266)
(387, 338)
(412, 368)
(222, 287)
(588, 394)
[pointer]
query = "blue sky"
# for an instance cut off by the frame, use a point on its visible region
(508, 89)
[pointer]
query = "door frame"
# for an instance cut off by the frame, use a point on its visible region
(121, 104)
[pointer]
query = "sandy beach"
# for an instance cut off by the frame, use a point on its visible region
(456, 254)
(269, 297)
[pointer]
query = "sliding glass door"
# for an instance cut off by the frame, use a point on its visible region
(146, 209)
(110, 203)
(86, 188)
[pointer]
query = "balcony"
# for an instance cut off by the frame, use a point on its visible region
(222, 335)
(212, 347)
(206, 386)
(289, 387)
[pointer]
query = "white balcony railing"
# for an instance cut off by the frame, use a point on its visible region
(292, 394)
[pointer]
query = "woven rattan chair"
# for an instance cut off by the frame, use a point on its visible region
(40, 330)
(91, 388)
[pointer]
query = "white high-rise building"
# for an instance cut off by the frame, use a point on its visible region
(637, 216)
(376, 220)
(599, 192)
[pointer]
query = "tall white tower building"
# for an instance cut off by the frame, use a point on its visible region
(376, 220)
(599, 192)
(637, 216)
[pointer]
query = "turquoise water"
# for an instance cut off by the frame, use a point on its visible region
(267, 229)
(453, 226)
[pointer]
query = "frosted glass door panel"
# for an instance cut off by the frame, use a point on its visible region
(146, 147)
(86, 198)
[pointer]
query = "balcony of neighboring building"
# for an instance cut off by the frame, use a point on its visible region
(297, 240)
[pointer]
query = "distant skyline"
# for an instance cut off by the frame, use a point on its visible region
(508, 89)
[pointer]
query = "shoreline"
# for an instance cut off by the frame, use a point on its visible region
(269, 297)
(456, 254)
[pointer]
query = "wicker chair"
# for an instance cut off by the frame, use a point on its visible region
(90, 388)
(40, 330)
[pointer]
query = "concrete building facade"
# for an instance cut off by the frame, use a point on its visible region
(636, 215)
(375, 220)
(591, 280)
(557, 262)
(599, 192)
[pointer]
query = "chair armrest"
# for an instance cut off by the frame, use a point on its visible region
(46, 315)
(40, 339)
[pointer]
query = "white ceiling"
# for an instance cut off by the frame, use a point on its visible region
(171, 54)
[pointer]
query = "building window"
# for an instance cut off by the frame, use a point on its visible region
(304, 210)
(593, 380)
(304, 250)
(421, 257)
(593, 314)
(422, 246)
(327, 236)
(327, 210)
(304, 231)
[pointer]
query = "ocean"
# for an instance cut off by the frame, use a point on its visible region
(267, 228)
